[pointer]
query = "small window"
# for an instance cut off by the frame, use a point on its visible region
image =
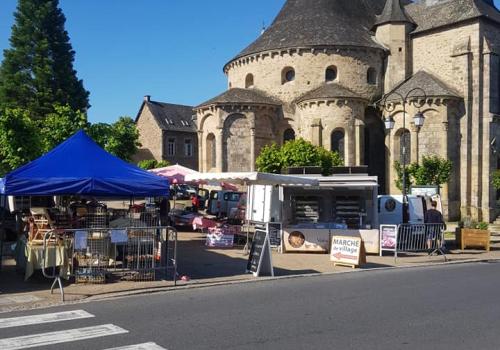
(171, 147)
(371, 76)
(338, 142)
(288, 75)
(288, 135)
(331, 74)
(249, 81)
(188, 147)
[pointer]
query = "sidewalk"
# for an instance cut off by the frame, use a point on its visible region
(206, 267)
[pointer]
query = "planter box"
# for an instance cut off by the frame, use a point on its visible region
(466, 237)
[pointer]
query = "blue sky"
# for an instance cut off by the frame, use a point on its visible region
(173, 50)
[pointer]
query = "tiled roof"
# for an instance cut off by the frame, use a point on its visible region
(434, 14)
(328, 90)
(171, 116)
(241, 96)
(432, 86)
(319, 23)
(393, 13)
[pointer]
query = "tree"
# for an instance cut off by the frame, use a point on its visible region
(433, 170)
(19, 140)
(60, 125)
(269, 159)
(37, 71)
(120, 138)
(296, 153)
(149, 164)
(495, 180)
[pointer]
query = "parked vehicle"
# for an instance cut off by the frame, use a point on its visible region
(220, 203)
(237, 215)
(390, 208)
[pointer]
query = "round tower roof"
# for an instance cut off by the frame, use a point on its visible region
(320, 23)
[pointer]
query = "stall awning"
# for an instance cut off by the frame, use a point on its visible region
(254, 178)
(79, 166)
(348, 181)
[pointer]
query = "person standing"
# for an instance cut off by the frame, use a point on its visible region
(195, 202)
(434, 216)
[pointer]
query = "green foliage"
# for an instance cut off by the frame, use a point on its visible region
(149, 164)
(495, 179)
(37, 71)
(19, 139)
(468, 223)
(482, 226)
(269, 160)
(120, 138)
(399, 176)
(433, 170)
(60, 125)
(296, 153)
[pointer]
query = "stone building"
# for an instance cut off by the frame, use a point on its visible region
(167, 132)
(317, 70)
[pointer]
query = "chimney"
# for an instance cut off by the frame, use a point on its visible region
(147, 98)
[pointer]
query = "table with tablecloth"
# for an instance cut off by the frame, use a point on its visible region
(56, 255)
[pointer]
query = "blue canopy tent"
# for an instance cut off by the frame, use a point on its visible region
(79, 166)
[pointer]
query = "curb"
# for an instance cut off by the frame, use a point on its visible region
(170, 289)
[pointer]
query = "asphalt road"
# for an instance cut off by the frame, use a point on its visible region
(447, 307)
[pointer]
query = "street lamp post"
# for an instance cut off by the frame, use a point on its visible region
(389, 104)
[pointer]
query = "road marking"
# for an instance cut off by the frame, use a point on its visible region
(70, 335)
(144, 346)
(44, 318)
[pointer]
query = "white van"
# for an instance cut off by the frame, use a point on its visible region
(390, 209)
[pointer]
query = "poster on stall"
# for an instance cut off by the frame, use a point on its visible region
(347, 250)
(388, 238)
(119, 236)
(81, 240)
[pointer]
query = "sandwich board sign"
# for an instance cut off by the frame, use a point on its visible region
(347, 251)
(388, 238)
(259, 260)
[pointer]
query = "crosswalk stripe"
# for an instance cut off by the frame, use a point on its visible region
(144, 346)
(44, 318)
(42, 339)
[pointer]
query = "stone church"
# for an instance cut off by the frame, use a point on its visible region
(318, 69)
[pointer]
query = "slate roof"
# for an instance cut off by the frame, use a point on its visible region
(171, 116)
(326, 23)
(320, 23)
(241, 96)
(328, 90)
(446, 12)
(432, 86)
(393, 13)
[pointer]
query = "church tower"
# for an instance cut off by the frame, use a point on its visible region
(392, 29)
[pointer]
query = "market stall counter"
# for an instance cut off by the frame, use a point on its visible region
(342, 205)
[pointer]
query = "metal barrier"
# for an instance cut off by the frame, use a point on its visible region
(421, 238)
(93, 255)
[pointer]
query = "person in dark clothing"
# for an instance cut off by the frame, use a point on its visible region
(164, 211)
(433, 216)
(195, 202)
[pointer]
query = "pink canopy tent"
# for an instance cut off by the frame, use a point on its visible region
(176, 175)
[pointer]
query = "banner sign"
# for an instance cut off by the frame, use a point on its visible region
(388, 238)
(346, 250)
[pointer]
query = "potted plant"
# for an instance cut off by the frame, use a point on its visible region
(472, 234)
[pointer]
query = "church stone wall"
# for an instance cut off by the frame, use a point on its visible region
(436, 52)
(352, 66)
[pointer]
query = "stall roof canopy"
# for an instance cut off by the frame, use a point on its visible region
(79, 166)
(253, 178)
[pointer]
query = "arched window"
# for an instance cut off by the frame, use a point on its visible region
(338, 142)
(210, 152)
(287, 75)
(249, 81)
(405, 146)
(288, 135)
(331, 74)
(371, 76)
